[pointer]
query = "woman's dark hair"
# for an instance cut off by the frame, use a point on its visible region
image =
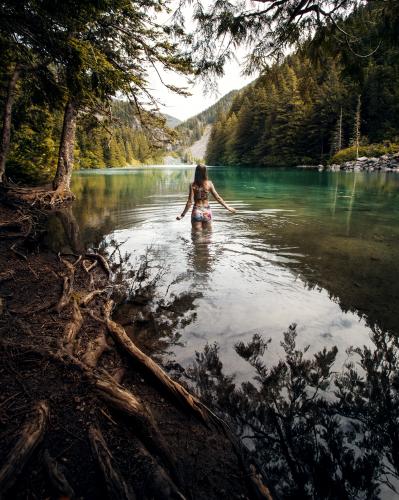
(201, 175)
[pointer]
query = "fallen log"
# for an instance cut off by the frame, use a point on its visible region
(117, 487)
(31, 436)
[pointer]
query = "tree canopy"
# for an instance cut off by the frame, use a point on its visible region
(307, 107)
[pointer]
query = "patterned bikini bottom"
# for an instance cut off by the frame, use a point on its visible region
(201, 214)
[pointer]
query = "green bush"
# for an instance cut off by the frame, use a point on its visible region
(33, 153)
(369, 150)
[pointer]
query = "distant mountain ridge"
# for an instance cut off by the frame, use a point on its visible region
(171, 121)
(194, 133)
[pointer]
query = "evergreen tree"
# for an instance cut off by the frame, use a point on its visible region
(337, 140)
(356, 126)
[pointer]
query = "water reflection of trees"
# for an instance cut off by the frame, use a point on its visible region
(152, 317)
(344, 229)
(104, 196)
(316, 433)
(355, 258)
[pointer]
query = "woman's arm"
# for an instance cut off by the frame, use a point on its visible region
(219, 199)
(188, 204)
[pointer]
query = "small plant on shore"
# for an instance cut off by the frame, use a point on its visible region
(370, 150)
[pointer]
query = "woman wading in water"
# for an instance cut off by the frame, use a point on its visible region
(201, 216)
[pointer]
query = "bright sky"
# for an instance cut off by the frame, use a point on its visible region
(183, 107)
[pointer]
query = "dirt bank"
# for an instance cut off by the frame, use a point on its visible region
(84, 412)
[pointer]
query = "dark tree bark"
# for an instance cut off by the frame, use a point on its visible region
(62, 179)
(6, 131)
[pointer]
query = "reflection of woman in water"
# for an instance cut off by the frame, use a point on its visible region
(201, 216)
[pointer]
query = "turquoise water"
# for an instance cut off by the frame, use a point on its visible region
(316, 248)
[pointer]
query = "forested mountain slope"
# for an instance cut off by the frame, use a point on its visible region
(100, 142)
(316, 102)
(171, 121)
(192, 129)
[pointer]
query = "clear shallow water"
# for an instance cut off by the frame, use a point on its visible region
(315, 248)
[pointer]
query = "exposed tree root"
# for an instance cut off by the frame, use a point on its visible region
(118, 375)
(52, 199)
(158, 485)
(85, 301)
(72, 328)
(57, 478)
(122, 400)
(177, 391)
(67, 286)
(45, 360)
(96, 348)
(117, 487)
(7, 275)
(89, 267)
(31, 436)
(42, 196)
(101, 260)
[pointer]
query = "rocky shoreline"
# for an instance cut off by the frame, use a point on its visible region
(384, 163)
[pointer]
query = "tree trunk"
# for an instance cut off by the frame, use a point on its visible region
(62, 179)
(5, 134)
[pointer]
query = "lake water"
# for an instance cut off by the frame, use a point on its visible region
(316, 248)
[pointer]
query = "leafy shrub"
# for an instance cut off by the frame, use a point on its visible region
(369, 150)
